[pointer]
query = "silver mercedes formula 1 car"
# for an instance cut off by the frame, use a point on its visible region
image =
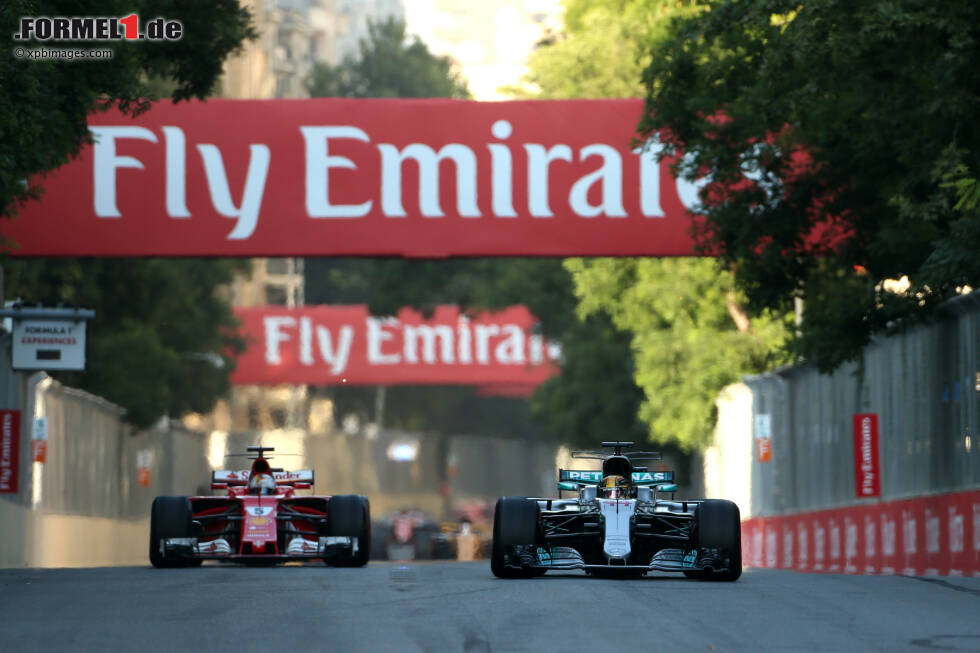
(624, 521)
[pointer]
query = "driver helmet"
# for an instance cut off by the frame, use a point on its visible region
(262, 484)
(614, 487)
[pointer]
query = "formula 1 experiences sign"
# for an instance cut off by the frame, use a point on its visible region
(333, 345)
(334, 177)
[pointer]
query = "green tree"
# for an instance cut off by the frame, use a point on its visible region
(679, 323)
(45, 104)
(855, 125)
(389, 64)
(163, 333)
(689, 336)
(602, 50)
(164, 337)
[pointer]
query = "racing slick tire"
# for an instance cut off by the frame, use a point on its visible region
(515, 523)
(169, 517)
(718, 526)
(349, 515)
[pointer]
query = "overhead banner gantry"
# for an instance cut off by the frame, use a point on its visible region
(336, 177)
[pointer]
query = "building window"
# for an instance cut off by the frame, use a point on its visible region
(278, 265)
(278, 417)
(276, 295)
(283, 84)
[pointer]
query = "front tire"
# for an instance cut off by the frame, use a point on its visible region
(169, 517)
(349, 515)
(515, 523)
(719, 526)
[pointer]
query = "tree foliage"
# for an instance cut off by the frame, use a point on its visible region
(674, 320)
(161, 325)
(602, 50)
(163, 339)
(855, 126)
(689, 337)
(389, 64)
(45, 104)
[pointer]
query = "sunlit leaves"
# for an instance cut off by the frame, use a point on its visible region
(883, 97)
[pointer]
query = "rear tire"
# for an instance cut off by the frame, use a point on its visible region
(515, 523)
(349, 515)
(719, 526)
(169, 517)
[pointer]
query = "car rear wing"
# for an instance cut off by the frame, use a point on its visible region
(240, 477)
(593, 477)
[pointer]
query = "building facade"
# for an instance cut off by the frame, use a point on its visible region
(293, 36)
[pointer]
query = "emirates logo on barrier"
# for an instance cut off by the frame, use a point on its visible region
(9, 450)
(867, 476)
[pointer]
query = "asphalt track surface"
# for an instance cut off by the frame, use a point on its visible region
(461, 607)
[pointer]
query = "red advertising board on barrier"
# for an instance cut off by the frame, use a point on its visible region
(867, 472)
(332, 345)
(333, 177)
(9, 450)
(934, 535)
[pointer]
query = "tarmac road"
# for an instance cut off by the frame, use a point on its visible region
(462, 607)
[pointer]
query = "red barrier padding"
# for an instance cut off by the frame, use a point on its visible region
(934, 535)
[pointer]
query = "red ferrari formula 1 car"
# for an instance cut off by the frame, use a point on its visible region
(260, 521)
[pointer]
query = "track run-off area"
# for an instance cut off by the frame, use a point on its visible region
(461, 607)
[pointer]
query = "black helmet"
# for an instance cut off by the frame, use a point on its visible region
(618, 466)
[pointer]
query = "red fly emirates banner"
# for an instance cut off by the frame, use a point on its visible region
(331, 345)
(333, 177)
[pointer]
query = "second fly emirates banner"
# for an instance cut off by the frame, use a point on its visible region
(334, 345)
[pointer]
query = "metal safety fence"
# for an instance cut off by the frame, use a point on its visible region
(794, 449)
